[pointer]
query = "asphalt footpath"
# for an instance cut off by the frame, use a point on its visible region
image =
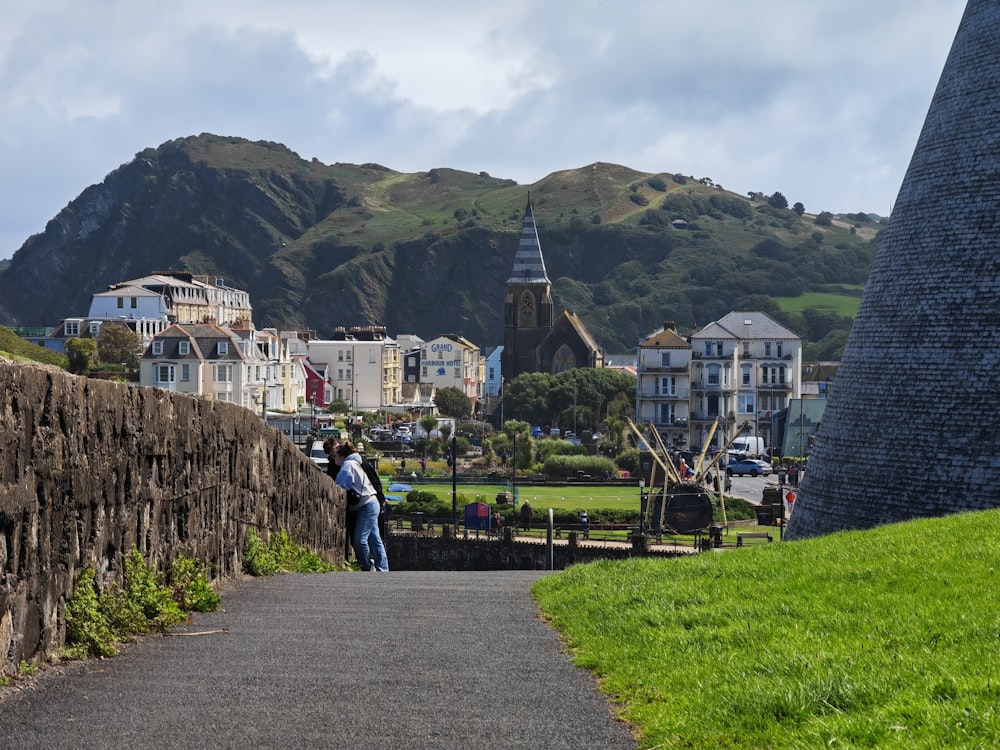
(404, 660)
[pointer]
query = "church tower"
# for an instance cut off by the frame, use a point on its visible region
(910, 428)
(528, 315)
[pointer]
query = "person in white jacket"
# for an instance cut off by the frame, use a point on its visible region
(363, 500)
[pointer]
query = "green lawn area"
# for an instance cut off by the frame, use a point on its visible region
(542, 497)
(842, 304)
(885, 638)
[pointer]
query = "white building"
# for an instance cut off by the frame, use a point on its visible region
(744, 368)
(362, 366)
(451, 361)
(663, 385)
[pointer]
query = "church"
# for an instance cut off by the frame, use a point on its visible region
(534, 340)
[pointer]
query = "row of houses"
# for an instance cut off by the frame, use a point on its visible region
(740, 375)
(737, 373)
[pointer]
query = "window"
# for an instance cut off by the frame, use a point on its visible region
(183, 348)
(340, 373)
(185, 373)
(157, 347)
(781, 375)
(423, 371)
(708, 348)
(746, 402)
(340, 356)
(223, 373)
(121, 302)
(133, 303)
(349, 375)
(713, 374)
(348, 356)
(767, 348)
(778, 348)
(666, 413)
(164, 374)
(746, 375)
(746, 348)
(72, 328)
(666, 387)
(492, 375)
(95, 328)
(664, 359)
(458, 372)
(223, 347)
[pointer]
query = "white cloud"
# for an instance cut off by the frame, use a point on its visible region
(821, 100)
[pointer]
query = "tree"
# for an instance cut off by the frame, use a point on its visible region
(337, 406)
(823, 219)
(429, 422)
(799, 208)
(453, 403)
(82, 355)
(119, 344)
(777, 200)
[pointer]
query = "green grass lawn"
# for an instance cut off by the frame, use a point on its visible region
(878, 639)
(541, 497)
(842, 304)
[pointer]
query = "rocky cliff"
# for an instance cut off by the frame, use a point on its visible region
(90, 468)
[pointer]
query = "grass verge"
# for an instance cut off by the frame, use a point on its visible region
(879, 639)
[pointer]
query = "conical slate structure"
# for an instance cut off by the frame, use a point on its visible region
(911, 428)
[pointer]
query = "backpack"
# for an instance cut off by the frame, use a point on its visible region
(376, 483)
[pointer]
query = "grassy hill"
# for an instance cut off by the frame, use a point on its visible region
(320, 246)
(879, 639)
(13, 346)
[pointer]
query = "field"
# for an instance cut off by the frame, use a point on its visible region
(842, 304)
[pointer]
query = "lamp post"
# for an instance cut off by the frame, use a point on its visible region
(642, 510)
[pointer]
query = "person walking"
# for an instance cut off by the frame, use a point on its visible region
(369, 548)
(585, 523)
(526, 516)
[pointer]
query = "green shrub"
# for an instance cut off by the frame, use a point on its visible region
(571, 466)
(282, 555)
(191, 588)
(657, 183)
(87, 630)
(257, 558)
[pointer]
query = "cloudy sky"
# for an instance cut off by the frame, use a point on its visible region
(820, 99)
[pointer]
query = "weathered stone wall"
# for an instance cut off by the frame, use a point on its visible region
(90, 468)
(911, 426)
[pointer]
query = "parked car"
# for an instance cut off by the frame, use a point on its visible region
(318, 456)
(751, 466)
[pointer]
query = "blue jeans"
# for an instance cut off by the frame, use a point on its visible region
(367, 542)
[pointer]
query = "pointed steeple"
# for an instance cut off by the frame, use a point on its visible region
(529, 266)
(910, 427)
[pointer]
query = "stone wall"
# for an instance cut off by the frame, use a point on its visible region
(90, 468)
(445, 552)
(911, 430)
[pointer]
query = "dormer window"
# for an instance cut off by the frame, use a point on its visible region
(157, 348)
(183, 348)
(223, 347)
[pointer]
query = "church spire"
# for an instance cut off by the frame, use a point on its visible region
(529, 266)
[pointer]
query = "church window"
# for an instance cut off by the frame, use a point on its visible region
(527, 316)
(563, 360)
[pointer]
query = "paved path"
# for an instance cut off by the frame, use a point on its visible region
(343, 660)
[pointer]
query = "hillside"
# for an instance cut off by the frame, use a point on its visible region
(319, 246)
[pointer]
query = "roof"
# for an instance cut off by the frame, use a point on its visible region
(746, 325)
(529, 266)
(665, 338)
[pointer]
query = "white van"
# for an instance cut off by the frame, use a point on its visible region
(750, 447)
